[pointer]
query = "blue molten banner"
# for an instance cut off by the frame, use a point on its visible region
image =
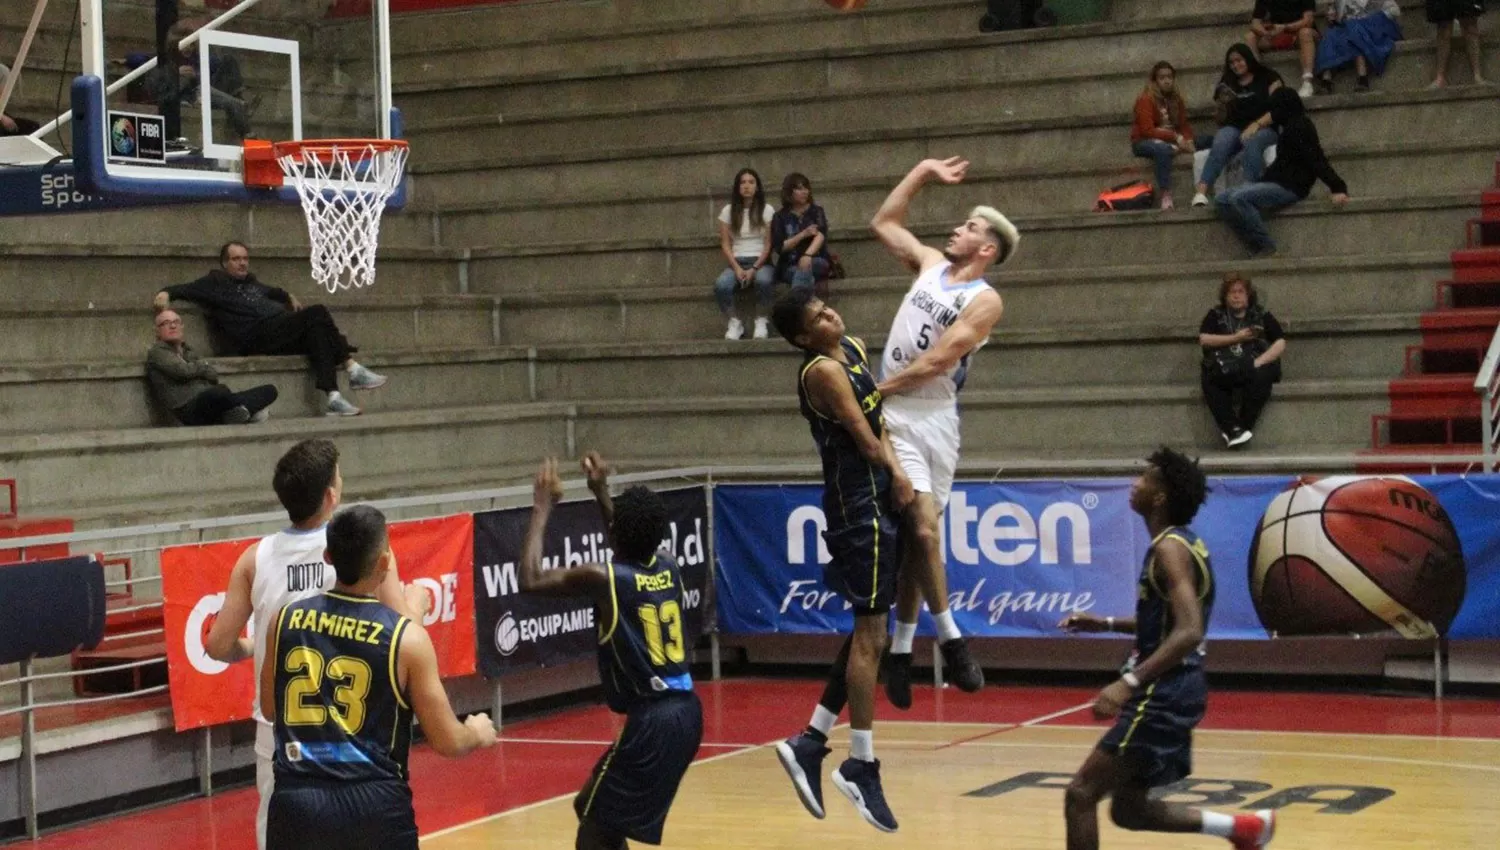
(1335, 555)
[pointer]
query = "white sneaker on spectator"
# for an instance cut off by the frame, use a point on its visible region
(261, 415)
(361, 378)
(1307, 87)
(1200, 199)
(762, 329)
(1239, 438)
(736, 329)
(339, 406)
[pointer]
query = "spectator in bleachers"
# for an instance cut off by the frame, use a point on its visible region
(1441, 14)
(1242, 347)
(186, 84)
(745, 240)
(1246, 87)
(1284, 25)
(799, 235)
(1161, 130)
(261, 320)
(189, 386)
(1363, 32)
(1299, 161)
(12, 125)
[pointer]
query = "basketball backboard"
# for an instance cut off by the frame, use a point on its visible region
(278, 70)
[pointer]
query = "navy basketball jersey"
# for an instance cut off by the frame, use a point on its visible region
(643, 646)
(340, 714)
(1153, 611)
(853, 488)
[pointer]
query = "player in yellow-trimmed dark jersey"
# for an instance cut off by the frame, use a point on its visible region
(643, 658)
(343, 678)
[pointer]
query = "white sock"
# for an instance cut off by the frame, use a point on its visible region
(862, 744)
(1217, 823)
(905, 634)
(946, 628)
(823, 720)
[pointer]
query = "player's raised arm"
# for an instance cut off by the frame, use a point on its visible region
(597, 471)
(966, 334)
(584, 580)
(889, 222)
(226, 641)
(429, 701)
(411, 601)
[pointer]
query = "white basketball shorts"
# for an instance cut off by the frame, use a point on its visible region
(265, 778)
(925, 437)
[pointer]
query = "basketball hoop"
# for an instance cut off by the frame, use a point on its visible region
(344, 185)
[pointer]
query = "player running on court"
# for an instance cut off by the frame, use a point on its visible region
(864, 490)
(945, 317)
(643, 663)
(286, 567)
(345, 677)
(1163, 693)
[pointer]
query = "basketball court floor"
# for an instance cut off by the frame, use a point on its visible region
(1344, 771)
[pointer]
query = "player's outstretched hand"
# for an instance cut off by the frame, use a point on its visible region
(596, 469)
(483, 728)
(1109, 701)
(1083, 623)
(950, 170)
(418, 600)
(547, 489)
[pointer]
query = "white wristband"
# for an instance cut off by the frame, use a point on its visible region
(1131, 679)
(1109, 623)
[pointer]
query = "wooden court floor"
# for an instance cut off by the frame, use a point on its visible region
(1345, 772)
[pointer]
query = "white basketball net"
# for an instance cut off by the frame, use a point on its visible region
(344, 192)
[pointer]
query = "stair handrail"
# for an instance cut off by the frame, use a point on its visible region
(1487, 385)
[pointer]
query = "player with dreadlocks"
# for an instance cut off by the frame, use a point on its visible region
(643, 665)
(1162, 694)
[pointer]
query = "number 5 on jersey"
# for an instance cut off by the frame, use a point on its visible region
(662, 626)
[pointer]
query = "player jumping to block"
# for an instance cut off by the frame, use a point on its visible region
(643, 663)
(1163, 693)
(864, 491)
(945, 317)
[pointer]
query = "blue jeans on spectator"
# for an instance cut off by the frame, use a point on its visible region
(1243, 209)
(1162, 154)
(1227, 143)
(800, 279)
(765, 286)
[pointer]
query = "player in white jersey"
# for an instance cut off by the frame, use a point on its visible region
(945, 317)
(286, 567)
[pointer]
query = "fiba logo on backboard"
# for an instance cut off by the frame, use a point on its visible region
(507, 634)
(122, 138)
(137, 137)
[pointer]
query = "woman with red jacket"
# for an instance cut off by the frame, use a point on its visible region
(1161, 129)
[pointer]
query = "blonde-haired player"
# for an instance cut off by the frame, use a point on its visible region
(944, 318)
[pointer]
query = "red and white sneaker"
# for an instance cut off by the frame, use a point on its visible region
(1253, 830)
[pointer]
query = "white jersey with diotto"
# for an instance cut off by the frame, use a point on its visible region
(288, 568)
(931, 306)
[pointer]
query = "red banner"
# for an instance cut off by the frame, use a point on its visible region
(436, 555)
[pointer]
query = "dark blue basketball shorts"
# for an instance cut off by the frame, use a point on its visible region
(865, 556)
(1154, 733)
(633, 785)
(314, 815)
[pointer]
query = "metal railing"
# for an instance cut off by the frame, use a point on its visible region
(490, 499)
(1487, 385)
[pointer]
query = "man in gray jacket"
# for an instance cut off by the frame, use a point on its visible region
(190, 387)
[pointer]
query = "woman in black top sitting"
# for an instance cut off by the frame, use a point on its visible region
(1242, 347)
(1247, 122)
(799, 235)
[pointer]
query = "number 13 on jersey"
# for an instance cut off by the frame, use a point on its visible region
(662, 626)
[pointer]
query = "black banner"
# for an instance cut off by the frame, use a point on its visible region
(518, 631)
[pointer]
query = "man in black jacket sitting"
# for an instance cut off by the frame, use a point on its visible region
(1299, 162)
(263, 320)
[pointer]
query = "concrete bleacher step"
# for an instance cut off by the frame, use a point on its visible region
(83, 272)
(1292, 287)
(116, 329)
(991, 142)
(75, 471)
(1059, 188)
(1085, 240)
(62, 397)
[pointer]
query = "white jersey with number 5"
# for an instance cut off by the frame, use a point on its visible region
(931, 306)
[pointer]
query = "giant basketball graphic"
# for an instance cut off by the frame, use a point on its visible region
(1356, 554)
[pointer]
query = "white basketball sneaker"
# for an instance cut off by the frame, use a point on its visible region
(736, 329)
